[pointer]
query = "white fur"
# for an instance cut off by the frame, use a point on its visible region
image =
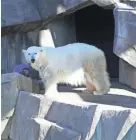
(74, 64)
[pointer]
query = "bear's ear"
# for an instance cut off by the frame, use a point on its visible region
(24, 51)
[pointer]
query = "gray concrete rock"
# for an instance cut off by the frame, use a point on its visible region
(11, 47)
(51, 131)
(23, 11)
(27, 107)
(40, 129)
(45, 38)
(125, 34)
(44, 117)
(77, 117)
(64, 26)
(18, 12)
(12, 83)
(115, 124)
(127, 74)
(6, 127)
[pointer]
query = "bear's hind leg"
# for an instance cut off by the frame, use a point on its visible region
(102, 85)
(100, 79)
(90, 87)
(97, 77)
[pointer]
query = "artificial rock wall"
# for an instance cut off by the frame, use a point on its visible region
(27, 115)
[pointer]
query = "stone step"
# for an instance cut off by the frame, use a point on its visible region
(90, 120)
(11, 85)
(127, 74)
(41, 129)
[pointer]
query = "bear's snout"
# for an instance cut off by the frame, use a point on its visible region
(32, 60)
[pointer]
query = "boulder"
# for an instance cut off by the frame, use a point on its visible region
(125, 33)
(51, 118)
(12, 83)
(127, 74)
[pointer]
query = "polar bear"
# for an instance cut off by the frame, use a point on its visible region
(75, 64)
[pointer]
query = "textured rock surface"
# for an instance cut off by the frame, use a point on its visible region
(45, 38)
(125, 34)
(22, 11)
(12, 83)
(40, 129)
(63, 30)
(54, 117)
(11, 47)
(127, 74)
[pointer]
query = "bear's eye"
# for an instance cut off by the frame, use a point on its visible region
(28, 53)
(41, 50)
(35, 53)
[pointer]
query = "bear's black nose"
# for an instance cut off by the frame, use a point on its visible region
(32, 60)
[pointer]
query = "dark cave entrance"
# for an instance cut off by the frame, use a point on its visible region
(95, 25)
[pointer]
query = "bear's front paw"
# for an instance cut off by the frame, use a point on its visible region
(51, 91)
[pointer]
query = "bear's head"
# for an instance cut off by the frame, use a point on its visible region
(34, 56)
